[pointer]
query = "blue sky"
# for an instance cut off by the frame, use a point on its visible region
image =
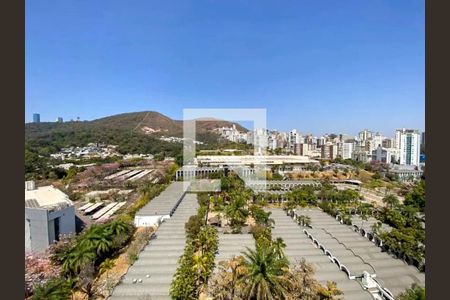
(318, 66)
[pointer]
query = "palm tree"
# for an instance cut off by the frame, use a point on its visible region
(265, 277)
(329, 291)
(307, 221)
(77, 259)
(98, 239)
(278, 247)
(106, 265)
(414, 293)
(391, 201)
(236, 211)
(118, 227)
(56, 289)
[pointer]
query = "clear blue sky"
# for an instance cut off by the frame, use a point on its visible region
(318, 66)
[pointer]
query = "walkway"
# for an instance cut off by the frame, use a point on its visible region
(157, 263)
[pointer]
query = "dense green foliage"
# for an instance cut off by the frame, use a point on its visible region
(55, 289)
(264, 279)
(407, 237)
(93, 245)
(197, 261)
(414, 293)
(416, 198)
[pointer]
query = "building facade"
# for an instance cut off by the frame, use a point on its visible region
(49, 213)
(408, 142)
(347, 150)
(36, 118)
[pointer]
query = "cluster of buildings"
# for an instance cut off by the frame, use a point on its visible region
(174, 139)
(90, 151)
(403, 149)
(37, 118)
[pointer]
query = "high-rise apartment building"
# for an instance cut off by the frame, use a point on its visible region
(408, 143)
(36, 118)
(329, 151)
(347, 150)
(365, 135)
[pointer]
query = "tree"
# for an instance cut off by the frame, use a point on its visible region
(416, 197)
(77, 259)
(226, 284)
(106, 265)
(261, 216)
(236, 211)
(278, 247)
(55, 289)
(193, 226)
(329, 291)
(98, 239)
(391, 201)
(414, 293)
(200, 267)
(264, 280)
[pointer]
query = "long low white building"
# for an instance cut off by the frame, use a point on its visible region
(240, 160)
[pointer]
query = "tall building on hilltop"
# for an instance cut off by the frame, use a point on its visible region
(408, 143)
(36, 118)
(59, 120)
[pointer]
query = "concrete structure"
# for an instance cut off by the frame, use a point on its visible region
(299, 246)
(233, 245)
(161, 207)
(408, 141)
(191, 172)
(151, 275)
(355, 254)
(36, 118)
(383, 155)
(377, 141)
(59, 120)
(329, 151)
(48, 214)
(302, 149)
(361, 155)
(406, 173)
(387, 143)
(365, 135)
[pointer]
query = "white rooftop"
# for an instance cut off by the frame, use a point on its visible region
(46, 197)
